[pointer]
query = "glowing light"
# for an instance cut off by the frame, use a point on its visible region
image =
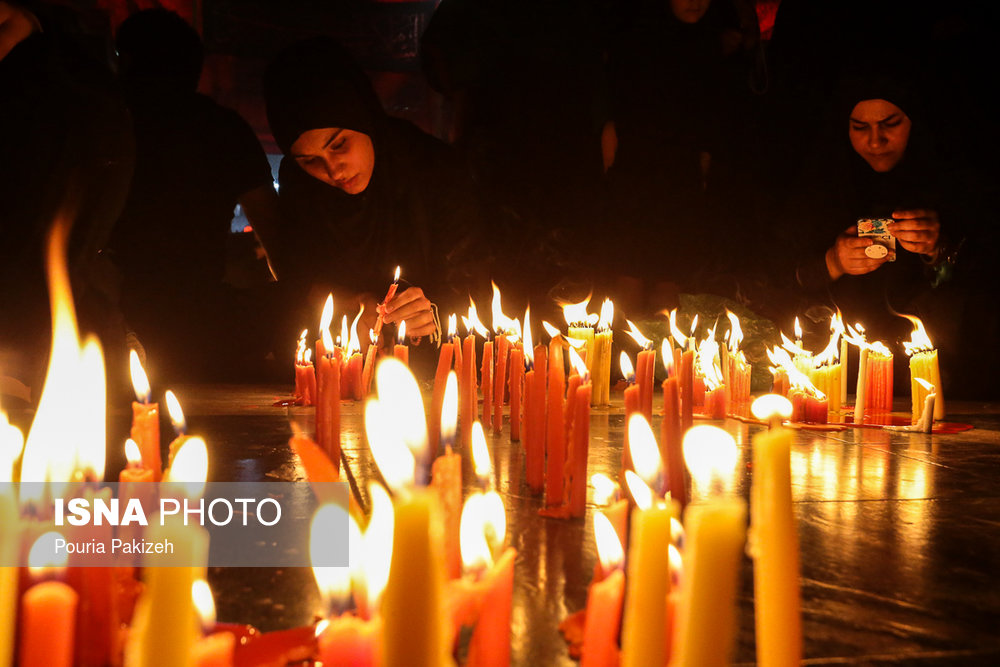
(354, 342)
(633, 331)
(327, 316)
(796, 378)
(550, 330)
(577, 364)
(694, 325)
(480, 452)
(628, 371)
(482, 529)
(345, 333)
(334, 582)
(680, 338)
(132, 453)
(643, 449)
(452, 326)
(708, 363)
(395, 276)
(43, 554)
(529, 341)
(919, 340)
(639, 490)
(401, 333)
(667, 354)
(190, 468)
(175, 412)
(925, 384)
(798, 329)
(473, 323)
(378, 542)
(607, 316)
(501, 323)
(399, 393)
(140, 383)
(92, 438)
(609, 546)
(605, 489)
(576, 314)
(204, 602)
(771, 406)
(831, 354)
(710, 454)
(735, 331)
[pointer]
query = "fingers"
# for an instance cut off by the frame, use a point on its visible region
(405, 305)
(904, 214)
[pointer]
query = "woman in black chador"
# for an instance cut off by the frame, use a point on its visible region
(363, 192)
(880, 164)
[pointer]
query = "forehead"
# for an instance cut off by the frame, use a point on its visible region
(312, 141)
(871, 111)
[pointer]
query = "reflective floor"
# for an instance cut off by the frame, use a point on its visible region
(900, 532)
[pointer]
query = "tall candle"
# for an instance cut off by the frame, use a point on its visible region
(555, 442)
(437, 399)
(500, 381)
(487, 381)
(579, 446)
(861, 398)
(516, 383)
(490, 643)
(11, 444)
(670, 443)
(775, 550)
(687, 390)
(145, 419)
(535, 418)
(446, 480)
(470, 389)
(401, 350)
(600, 367)
(633, 403)
(328, 407)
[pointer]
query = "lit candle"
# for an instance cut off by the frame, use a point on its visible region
(145, 418)
(687, 390)
(390, 294)
(48, 616)
(446, 476)
(607, 497)
(515, 387)
(604, 600)
(923, 365)
(774, 544)
(675, 480)
(179, 424)
(645, 617)
(632, 403)
(368, 370)
(324, 346)
(304, 375)
(215, 649)
(401, 350)
(555, 440)
(505, 329)
(600, 367)
(328, 403)
(352, 376)
(486, 380)
(579, 442)
(581, 326)
(644, 369)
(715, 528)
(413, 632)
(469, 404)
(440, 377)
(534, 408)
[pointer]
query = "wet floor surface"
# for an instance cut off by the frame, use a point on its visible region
(900, 532)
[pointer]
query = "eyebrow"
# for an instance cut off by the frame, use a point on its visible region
(325, 145)
(883, 120)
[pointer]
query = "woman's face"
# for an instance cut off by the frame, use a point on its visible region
(338, 157)
(689, 11)
(879, 132)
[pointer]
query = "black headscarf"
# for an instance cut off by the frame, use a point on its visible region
(317, 84)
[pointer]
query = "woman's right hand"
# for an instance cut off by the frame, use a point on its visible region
(847, 255)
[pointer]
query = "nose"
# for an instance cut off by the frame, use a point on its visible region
(334, 169)
(876, 138)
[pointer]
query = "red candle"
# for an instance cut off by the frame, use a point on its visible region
(698, 400)
(516, 381)
(687, 390)
(490, 643)
(534, 417)
(437, 400)
(328, 407)
(318, 466)
(487, 381)
(470, 389)
(500, 381)
(579, 449)
(715, 403)
(354, 378)
(48, 619)
(555, 442)
(600, 633)
(644, 365)
(670, 443)
(350, 641)
(633, 404)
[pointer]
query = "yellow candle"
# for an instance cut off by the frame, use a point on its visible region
(775, 551)
(715, 530)
(924, 365)
(860, 394)
(600, 367)
(413, 630)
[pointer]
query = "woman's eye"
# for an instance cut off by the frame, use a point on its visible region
(338, 144)
(892, 123)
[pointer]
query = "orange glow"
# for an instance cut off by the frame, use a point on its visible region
(735, 331)
(831, 354)
(480, 452)
(605, 489)
(452, 325)
(641, 494)
(633, 331)
(473, 323)
(334, 583)
(919, 340)
(667, 354)
(628, 372)
(204, 603)
(771, 405)
(401, 333)
(925, 384)
(577, 364)
(708, 363)
(345, 333)
(43, 556)
(796, 378)
(395, 276)
(609, 546)
(607, 316)
(680, 338)
(354, 342)
(132, 453)
(710, 454)
(482, 529)
(190, 468)
(642, 447)
(576, 314)
(175, 412)
(501, 323)
(797, 329)
(449, 408)
(550, 330)
(327, 316)
(140, 383)
(529, 341)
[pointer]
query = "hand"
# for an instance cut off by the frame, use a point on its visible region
(917, 231)
(16, 25)
(412, 307)
(848, 255)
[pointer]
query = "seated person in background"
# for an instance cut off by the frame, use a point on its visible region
(884, 168)
(362, 193)
(195, 160)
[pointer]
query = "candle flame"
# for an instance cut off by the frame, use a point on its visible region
(401, 332)
(798, 329)
(709, 453)
(371, 336)
(327, 316)
(449, 408)
(680, 338)
(452, 325)
(377, 547)
(633, 331)
(501, 323)
(925, 384)
(482, 529)
(919, 340)
(11, 446)
(576, 343)
(92, 444)
(529, 341)
(831, 354)
(735, 331)
(307, 357)
(708, 363)
(189, 471)
(473, 323)
(769, 406)
(628, 372)
(480, 452)
(576, 314)
(796, 378)
(140, 383)
(641, 494)
(642, 447)
(204, 602)
(327, 340)
(792, 347)
(607, 316)
(399, 392)
(175, 412)
(667, 354)
(345, 334)
(354, 341)
(132, 453)
(609, 546)
(334, 583)
(676, 562)
(856, 336)
(577, 364)
(550, 330)
(694, 325)
(393, 459)
(605, 489)
(43, 554)
(395, 276)
(676, 530)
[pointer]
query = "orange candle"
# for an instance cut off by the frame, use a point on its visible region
(368, 371)
(470, 389)
(328, 407)
(401, 350)
(604, 601)
(487, 381)
(354, 378)
(318, 466)
(145, 419)
(555, 442)
(440, 377)
(490, 643)
(687, 390)
(446, 480)
(516, 381)
(633, 403)
(698, 399)
(671, 452)
(644, 363)
(579, 449)
(350, 641)
(715, 403)
(500, 381)
(534, 417)
(216, 650)
(48, 619)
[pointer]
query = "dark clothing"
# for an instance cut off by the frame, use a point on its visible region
(419, 212)
(65, 147)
